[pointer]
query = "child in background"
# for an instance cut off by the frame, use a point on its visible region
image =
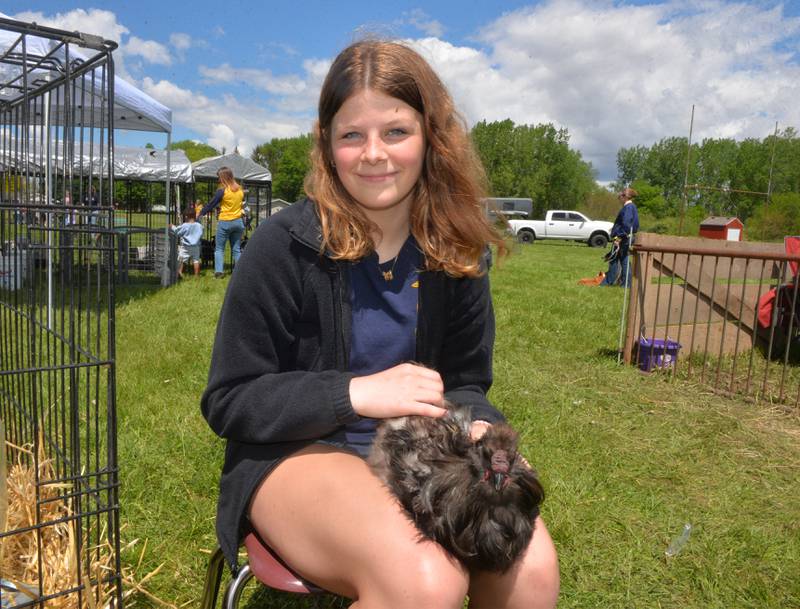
(190, 233)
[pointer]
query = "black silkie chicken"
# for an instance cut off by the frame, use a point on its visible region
(478, 500)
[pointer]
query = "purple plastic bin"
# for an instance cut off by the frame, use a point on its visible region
(657, 353)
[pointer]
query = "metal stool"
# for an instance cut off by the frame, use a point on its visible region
(263, 564)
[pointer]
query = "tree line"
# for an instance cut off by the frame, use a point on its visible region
(726, 177)
(756, 180)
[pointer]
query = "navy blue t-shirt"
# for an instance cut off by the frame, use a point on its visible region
(384, 324)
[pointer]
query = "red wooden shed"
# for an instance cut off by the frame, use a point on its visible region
(722, 227)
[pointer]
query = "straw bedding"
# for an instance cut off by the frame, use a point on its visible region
(20, 554)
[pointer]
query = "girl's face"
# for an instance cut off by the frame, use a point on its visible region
(378, 146)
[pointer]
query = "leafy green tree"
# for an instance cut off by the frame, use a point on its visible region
(534, 162)
(492, 142)
(665, 166)
(649, 199)
(778, 219)
(732, 177)
(601, 204)
(712, 166)
(629, 164)
(194, 150)
(750, 173)
(785, 149)
(288, 159)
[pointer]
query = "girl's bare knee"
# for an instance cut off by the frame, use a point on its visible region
(532, 583)
(441, 582)
(431, 581)
(541, 577)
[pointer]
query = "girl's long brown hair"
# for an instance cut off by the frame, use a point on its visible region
(448, 217)
(225, 175)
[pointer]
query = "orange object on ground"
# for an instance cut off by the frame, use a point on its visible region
(596, 280)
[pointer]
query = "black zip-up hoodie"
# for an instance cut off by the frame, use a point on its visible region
(279, 374)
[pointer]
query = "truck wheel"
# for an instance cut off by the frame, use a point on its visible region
(598, 240)
(526, 236)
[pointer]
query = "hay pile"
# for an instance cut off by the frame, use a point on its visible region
(20, 554)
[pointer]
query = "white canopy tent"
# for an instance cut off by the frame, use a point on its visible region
(244, 169)
(150, 165)
(146, 164)
(133, 109)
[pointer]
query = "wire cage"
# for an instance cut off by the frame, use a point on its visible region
(59, 508)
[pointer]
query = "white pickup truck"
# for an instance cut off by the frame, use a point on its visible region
(563, 224)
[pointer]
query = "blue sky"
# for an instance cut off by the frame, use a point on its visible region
(237, 74)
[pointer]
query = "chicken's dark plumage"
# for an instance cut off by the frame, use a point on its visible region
(476, 499)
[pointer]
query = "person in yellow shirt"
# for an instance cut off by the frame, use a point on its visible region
(230, 223)
(198, 208)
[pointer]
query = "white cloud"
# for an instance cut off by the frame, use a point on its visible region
(104, 24)
(93, 21)
(423, 22)
(274, 49)
(150, 50)
(258, 79)
(286, 95)
(226, 122)
(222, 137)
(180, 41)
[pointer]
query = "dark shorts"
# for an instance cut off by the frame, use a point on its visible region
(339, 439)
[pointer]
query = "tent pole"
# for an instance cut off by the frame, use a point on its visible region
(169, 176)
(167, 275)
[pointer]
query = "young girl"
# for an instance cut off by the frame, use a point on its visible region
(190, 234)
(230, 225)
(381, 265)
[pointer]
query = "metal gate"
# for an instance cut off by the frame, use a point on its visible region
(724, 313)
(59, 511)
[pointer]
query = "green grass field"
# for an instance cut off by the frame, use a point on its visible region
(626, 458)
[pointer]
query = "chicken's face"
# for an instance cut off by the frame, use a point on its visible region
(499, 468)
(505, 477)
(499, 457)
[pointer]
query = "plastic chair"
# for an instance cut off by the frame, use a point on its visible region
(779, 307)
(263, 564)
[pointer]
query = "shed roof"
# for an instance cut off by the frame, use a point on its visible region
(719, 220)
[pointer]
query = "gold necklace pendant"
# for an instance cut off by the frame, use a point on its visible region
(389, 275)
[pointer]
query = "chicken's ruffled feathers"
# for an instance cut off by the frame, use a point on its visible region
(478, 499)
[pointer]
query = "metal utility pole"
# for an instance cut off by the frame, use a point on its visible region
(686, 175)
(772, 164)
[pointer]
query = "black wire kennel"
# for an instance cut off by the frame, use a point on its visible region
(59, 508)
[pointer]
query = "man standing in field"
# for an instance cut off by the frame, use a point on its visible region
(625, 226)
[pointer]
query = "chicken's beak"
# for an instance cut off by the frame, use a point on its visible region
(500, 480)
